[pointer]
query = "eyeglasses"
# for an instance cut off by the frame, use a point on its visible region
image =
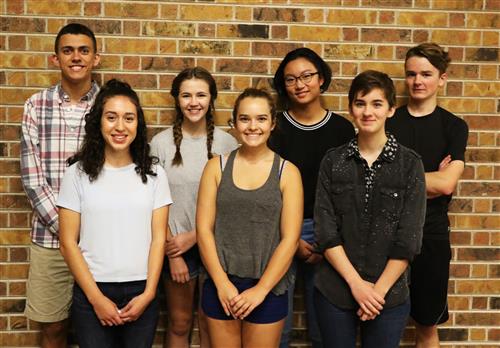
(304, 78)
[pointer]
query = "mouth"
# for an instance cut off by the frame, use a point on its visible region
(301, 94)
(253, 135)
(119, 138)
(76, 68)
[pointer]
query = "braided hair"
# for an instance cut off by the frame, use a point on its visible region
(187, 74)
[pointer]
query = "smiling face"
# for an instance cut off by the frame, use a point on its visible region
(76, 57)
(118, 125)
(194, 100)
(423, 79)
(302, 93)
(370, 111)
(254, 121)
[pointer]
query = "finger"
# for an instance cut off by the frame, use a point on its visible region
(365, 309)
(244, 310)
(373, 309)
(226, 309)
(103, 323)
(248, 311)
(235, 300)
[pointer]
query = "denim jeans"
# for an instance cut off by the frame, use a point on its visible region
(91, 334)
(305, 271)
(339, 327)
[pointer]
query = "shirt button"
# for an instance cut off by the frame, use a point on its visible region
(395, 194)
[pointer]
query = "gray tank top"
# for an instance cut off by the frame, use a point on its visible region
(247, 225)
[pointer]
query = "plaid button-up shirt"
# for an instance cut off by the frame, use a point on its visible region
(52, 130)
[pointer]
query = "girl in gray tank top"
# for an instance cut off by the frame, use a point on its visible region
(248, 222)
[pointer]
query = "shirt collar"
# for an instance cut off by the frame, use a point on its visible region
(388, 153)
(89, 96)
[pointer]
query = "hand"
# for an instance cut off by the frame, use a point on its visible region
(243, 304)
(364, 316)
(134, 309)
(226, 292)
(107, 311)
(304, 250)
(179, 244)
(179, 271)
(369, 300)
(314, 258)
(444, 162)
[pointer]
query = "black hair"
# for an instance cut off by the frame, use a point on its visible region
(91, 153)
(369, 80)
(324, 71)
(75, 29)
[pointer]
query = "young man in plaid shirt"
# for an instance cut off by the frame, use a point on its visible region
(52, 128)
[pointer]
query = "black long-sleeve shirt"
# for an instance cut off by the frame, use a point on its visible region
(375, 213)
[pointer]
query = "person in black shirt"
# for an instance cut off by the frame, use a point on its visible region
(440, 138)
(369, 215)
(304, 132)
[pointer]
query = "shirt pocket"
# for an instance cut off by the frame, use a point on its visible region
(391, 202)
(342, 198)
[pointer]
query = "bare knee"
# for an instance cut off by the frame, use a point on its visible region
(54, 334)
(180, 326)
(427, 336)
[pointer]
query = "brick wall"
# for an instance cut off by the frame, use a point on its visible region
(242, 42)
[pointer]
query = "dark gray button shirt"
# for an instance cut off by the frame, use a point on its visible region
(375, 222)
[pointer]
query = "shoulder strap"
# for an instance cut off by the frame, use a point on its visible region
(281, 168)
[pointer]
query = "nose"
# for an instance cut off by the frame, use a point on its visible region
(120, 124)
(417, 79)
(367, 110)
(75, 56)
(253, 124)
(299, 84)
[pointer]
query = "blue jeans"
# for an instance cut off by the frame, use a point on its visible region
(305, 271)
(339, 327)
(91, 334)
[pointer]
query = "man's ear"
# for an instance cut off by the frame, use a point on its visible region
(97, 60)
(55, 60)
(442, 79)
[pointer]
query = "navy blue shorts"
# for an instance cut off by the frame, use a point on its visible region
(272, 309)
(193, 262)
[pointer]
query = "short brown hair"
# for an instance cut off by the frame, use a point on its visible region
(434, 53)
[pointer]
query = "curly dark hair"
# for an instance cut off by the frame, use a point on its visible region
(188, 74)
(91, 153)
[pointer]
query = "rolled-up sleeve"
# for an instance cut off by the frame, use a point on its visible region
(408, 238)
(326, 227)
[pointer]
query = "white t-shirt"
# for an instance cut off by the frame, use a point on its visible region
(116, 212)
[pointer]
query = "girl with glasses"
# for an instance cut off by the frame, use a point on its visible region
(305, 130)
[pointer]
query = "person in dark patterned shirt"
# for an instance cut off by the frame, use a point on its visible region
(369, 216)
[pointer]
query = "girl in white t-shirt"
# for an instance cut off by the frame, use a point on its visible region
(183, 151)
(113, 212)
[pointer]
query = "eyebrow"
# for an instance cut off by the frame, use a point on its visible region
(115, 113)
(74, 47)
